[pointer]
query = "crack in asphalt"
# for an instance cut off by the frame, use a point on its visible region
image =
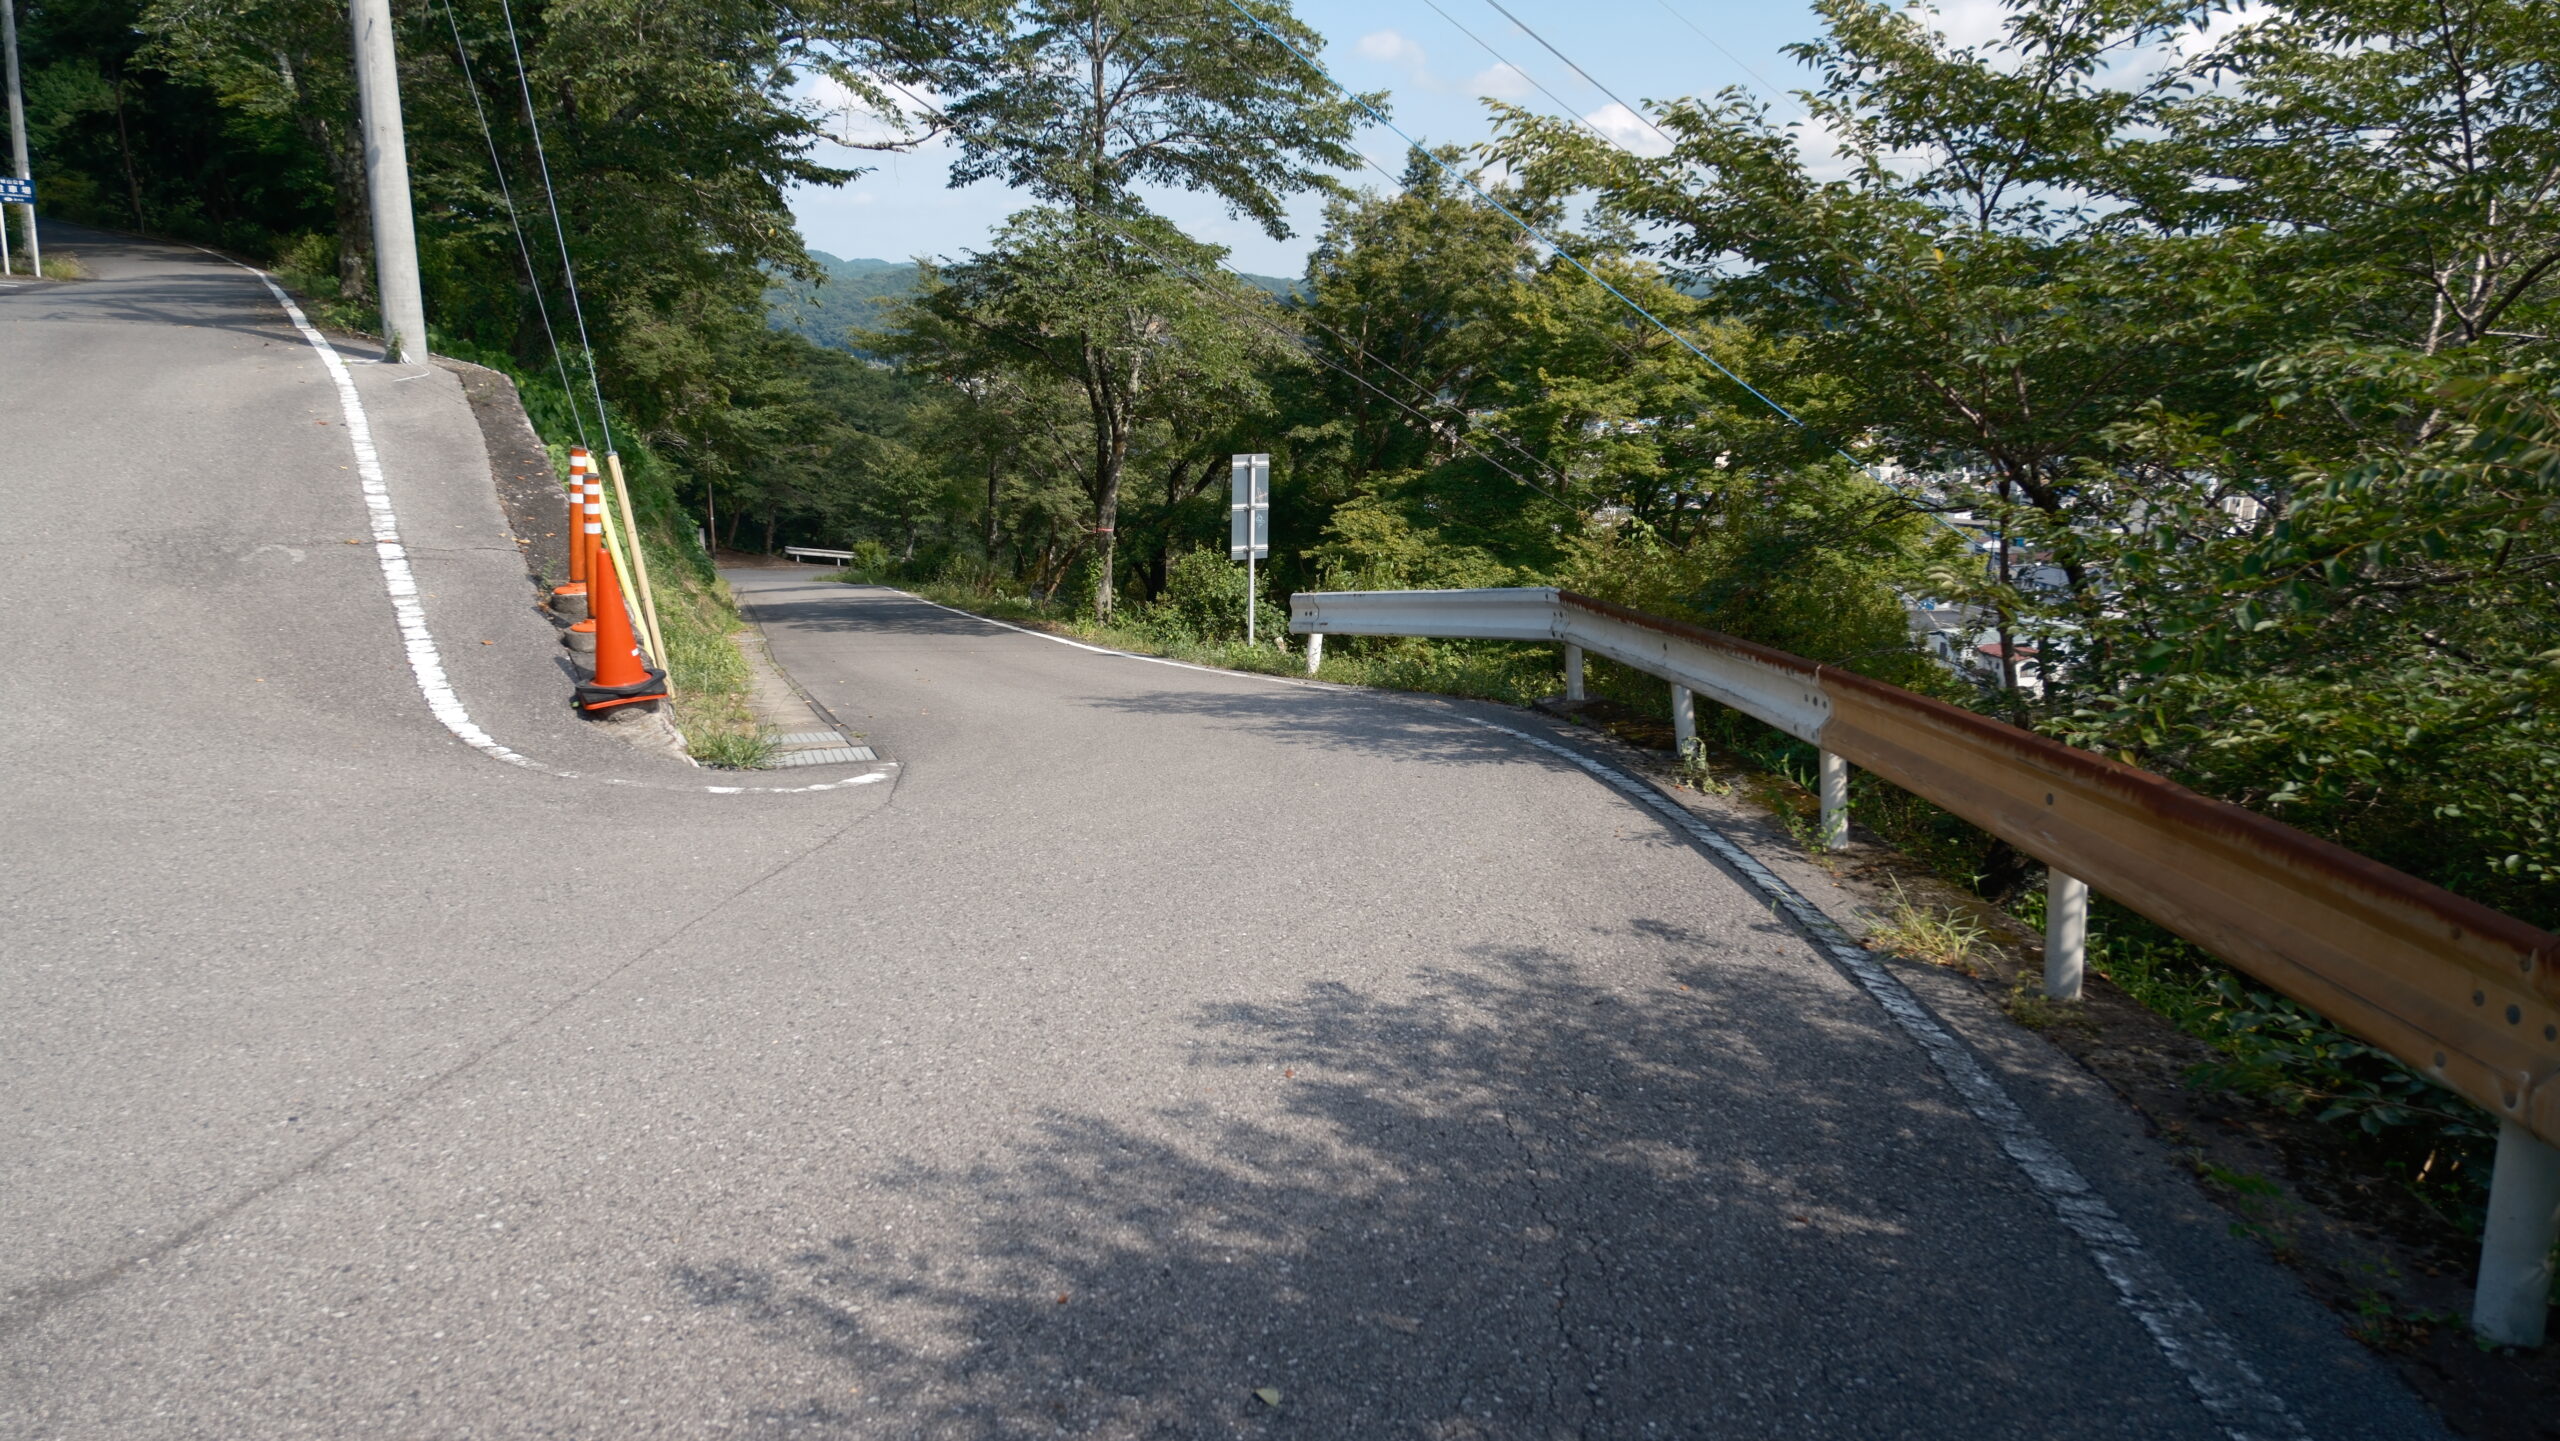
(28, 1307)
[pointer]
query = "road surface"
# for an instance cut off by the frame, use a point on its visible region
(1146, 1039)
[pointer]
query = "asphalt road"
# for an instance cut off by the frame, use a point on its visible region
(1153, 1038)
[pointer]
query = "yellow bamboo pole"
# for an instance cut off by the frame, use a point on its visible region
(648, 607)
(623, 582)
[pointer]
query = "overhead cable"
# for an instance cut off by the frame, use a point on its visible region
(1641, 117)
(1514, 217)
(1727, 54)
(1419, 388)
(462, 53)
(560, 233)
(1505, 62)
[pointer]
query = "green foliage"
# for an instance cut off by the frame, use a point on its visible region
(1204, 595)
(1815, 563)
(1081, 102)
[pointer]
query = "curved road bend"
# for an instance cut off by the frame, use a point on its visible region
(1154, 1038)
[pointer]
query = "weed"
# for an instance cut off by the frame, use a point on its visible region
(1941, 936)
(2267, 1214)
(732, 749)
(1698, 773)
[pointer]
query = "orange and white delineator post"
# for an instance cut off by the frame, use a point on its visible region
(580, 466)
(571, 599)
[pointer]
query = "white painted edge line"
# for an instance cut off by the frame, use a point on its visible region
(2196, 1348)
(2228, 1386)
(426, 663)
(1096, 649)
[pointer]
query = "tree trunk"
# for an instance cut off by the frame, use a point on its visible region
(345, 162)
(124, 144)
(768, 532)
(710, 515)
(993, 471)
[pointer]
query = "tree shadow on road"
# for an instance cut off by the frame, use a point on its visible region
(1515, 1197)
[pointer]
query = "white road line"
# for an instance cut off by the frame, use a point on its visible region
(2230, 1388)
(2199, 1351)
(425, 662)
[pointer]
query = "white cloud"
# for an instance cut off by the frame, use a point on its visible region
(1390, 47)
(852, 121)
(1972, 22)
(1502, 82)
(1628, 129)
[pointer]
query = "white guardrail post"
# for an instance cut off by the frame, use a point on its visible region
(1315, 652)
(2458, 992)
(1835, 802)
(2514, 1297)
(1684, 721)
(2066, 935)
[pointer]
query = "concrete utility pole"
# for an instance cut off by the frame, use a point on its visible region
(386, 173)
(18, 127)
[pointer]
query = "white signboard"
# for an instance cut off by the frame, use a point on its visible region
(1249, 508)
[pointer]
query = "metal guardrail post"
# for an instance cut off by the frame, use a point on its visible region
(1684, 720)
(2514, 1298)
(1315, 652)
(2455, 991)
(2066, 935)
(1835, 802)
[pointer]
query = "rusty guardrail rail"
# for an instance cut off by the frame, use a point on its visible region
(2460, 993)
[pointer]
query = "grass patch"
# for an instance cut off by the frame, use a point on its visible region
(707, 677)
(1939, 935)
(1481, 670)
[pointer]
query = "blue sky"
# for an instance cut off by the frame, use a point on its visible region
(1641, 49)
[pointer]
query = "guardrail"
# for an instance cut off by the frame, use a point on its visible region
(2461, 993)
(804, 552)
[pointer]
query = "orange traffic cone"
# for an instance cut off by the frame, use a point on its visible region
(623, 676)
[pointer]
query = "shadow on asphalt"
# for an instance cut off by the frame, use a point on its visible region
(1333, 720)
(1501, 1200)
(872, 613)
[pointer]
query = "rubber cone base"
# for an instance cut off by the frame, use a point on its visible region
(592, 697)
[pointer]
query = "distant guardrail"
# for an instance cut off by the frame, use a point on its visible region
(809, 552)
(2457, 991)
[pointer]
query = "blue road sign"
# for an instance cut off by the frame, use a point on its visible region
(14, 191)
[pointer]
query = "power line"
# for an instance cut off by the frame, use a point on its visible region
(577, 412)
(1201, 283)
(1506, 64)
(1640, 116)
(1419, 388)
(1770, 89)
(1552, 244)
(1514, 217)
(552, 198)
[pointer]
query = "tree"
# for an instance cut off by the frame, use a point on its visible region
(1083, 102)
(287, 60)
(1138, 319)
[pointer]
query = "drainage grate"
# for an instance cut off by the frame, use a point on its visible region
(839, 756)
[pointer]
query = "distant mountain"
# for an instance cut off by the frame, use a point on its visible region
(856, 295)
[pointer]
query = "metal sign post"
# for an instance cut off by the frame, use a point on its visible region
(1249, 524)
(26, 190)
(17, 192)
